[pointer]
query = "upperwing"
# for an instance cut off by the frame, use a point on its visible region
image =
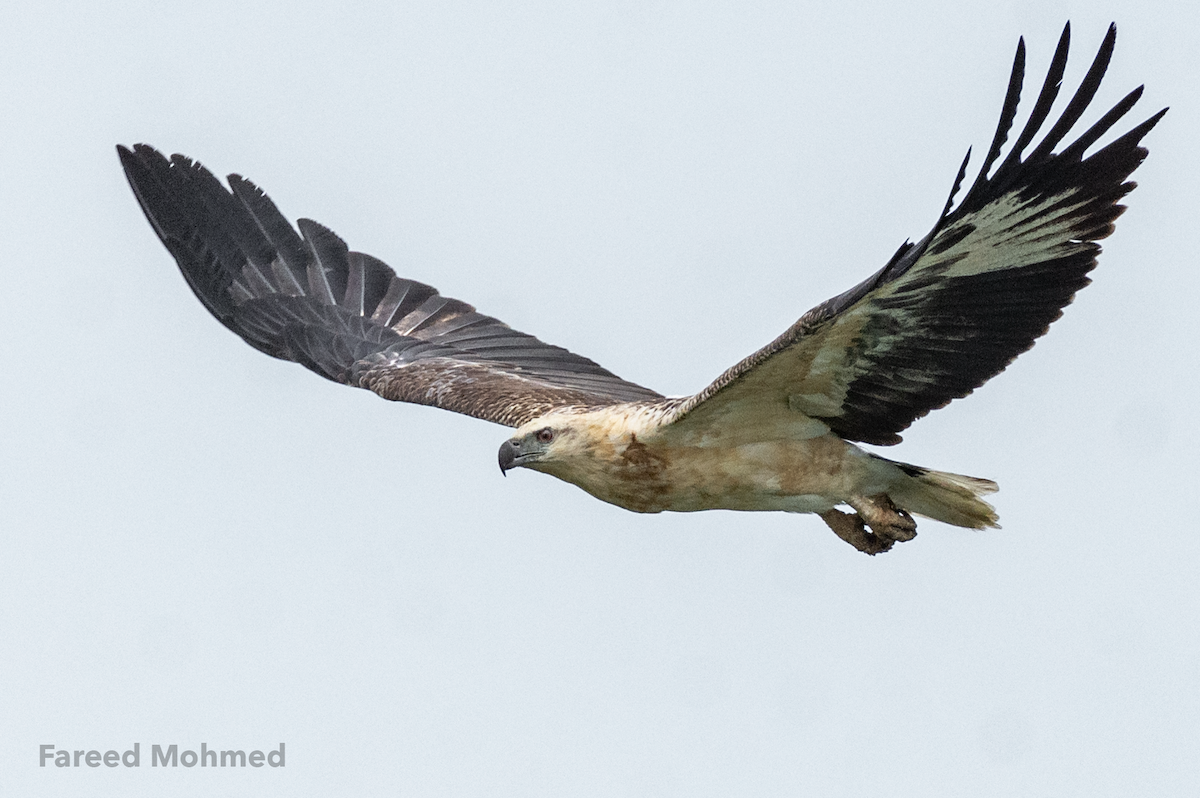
(953, 310)
(347, 316)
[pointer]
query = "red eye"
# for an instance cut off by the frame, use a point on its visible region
(545, 435)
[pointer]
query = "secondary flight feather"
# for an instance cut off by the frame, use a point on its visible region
(774, 432)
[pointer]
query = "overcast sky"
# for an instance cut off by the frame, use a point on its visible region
(201, 544)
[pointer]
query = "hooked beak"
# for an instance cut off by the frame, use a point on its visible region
(508, 457)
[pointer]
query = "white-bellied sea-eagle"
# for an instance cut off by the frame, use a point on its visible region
(774, 432)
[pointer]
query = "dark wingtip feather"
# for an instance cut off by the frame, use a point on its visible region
(163, 187)
(1083, 97)
(962, 172)
(1008, 111)
(1037, 117)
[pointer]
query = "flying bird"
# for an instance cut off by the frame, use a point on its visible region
(777, 431)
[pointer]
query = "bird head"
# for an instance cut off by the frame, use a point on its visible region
(550, 443)
(538, 443)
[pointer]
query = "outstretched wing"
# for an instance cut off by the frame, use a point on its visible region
(345, 315)
(953, 310)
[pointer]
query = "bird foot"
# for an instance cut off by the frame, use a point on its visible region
(851, 528)
(884, 517)
(888, 524)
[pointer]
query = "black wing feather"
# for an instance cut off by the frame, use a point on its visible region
(946, 314)
(304, 296)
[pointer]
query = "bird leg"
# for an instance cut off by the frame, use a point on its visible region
(889, 524)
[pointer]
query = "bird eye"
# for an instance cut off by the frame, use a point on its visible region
(545, 435)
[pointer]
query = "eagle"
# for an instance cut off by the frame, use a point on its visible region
(778, 430)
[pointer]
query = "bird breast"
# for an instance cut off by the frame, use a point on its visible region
(650, 476)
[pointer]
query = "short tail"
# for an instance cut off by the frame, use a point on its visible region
(949, 498)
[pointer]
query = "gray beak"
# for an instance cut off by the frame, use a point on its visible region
(508, 456)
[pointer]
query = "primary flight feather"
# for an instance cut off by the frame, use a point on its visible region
(775, 431)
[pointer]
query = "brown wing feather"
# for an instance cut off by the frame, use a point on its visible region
(304, 296)
(475, 389)
(948, 313)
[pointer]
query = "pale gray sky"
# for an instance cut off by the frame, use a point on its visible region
(201, 544)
